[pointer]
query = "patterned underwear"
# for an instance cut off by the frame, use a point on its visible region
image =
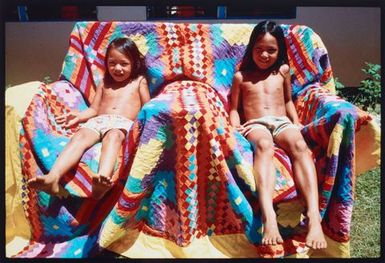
(103, 123)
(274, 124)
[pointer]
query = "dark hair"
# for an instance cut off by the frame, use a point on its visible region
(259, 30)
(129, 48)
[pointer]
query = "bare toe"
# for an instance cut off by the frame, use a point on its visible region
(100, 186)
(49, 185)
(105, 180)
(309, 244)
(271, 235)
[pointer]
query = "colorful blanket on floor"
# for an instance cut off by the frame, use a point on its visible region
(184, 172)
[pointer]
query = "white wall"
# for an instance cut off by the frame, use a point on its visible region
(132, 13)
(352, 35)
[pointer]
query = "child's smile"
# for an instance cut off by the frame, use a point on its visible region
(265, 51)
(119, 65)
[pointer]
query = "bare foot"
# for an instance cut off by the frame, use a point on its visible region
(47, 183)
(315, 238)
(271, 235)
(100, 185)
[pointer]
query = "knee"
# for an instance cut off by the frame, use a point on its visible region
(298, 148)
(79, 138)
(114, 136)
(264, 147)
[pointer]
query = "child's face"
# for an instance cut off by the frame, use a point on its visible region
(119, 65)
(265, 51)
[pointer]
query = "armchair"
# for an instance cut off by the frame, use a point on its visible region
(185, 186)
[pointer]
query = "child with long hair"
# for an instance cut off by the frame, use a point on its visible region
(262, 88)
(109, 118)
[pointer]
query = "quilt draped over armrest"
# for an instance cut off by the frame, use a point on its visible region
(184, 174)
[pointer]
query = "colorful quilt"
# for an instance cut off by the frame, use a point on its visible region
(184, 174)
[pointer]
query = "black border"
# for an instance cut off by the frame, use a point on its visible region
(305, 3)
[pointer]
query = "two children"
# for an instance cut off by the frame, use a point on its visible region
(109, 118)
(263, 88)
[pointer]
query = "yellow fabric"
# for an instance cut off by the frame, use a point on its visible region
(141, 43)
(245, 172)
(139, 245)
(145, 165)
(16, 223)
(335, 141)
(368, 147)
(233, 36)
(17, 228)
(334, 250)
(15, 246)
(20, 96)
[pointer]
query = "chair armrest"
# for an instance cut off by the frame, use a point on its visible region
(328, 120)
(21, 95)
(316, 103)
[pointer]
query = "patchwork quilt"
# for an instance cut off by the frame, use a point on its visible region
(184, 174)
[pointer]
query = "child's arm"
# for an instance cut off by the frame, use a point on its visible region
(289, 104)
(235, 120)
(144, 92)
(72, 118)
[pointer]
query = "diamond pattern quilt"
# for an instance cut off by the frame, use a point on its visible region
(184, 173)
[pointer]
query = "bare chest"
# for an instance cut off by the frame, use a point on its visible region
(125, 92)
(271, 86)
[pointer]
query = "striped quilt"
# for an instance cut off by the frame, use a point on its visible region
(184, 173)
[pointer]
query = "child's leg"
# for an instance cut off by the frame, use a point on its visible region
(68, 158)
(111, 145)
(305, 176)
(264, 175)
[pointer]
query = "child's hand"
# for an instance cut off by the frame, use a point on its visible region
(68, 119)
